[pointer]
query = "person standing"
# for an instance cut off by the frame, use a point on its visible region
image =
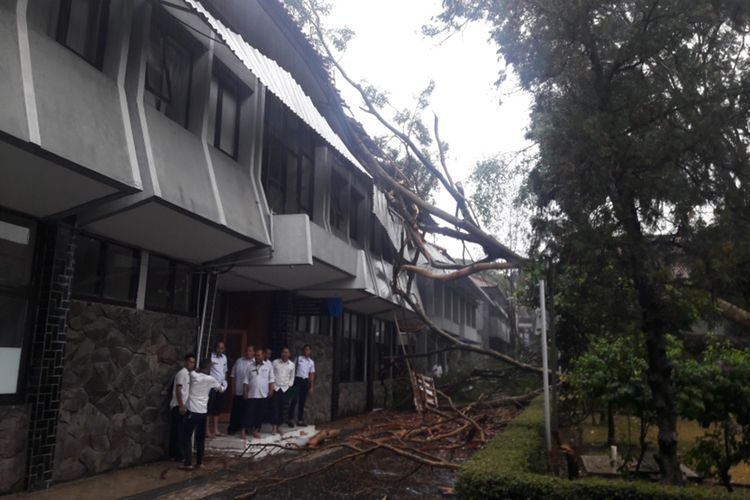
(258, 388)
(177, 408)
(239, 371)
(283, 374)
(219, 367)
(267, 353)
(304, 383)
(201, 385)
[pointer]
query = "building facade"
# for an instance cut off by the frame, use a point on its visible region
(173, 174)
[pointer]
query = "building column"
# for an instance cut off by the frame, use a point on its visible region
(54, 271)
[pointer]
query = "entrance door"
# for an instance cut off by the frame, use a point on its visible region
(234, 347)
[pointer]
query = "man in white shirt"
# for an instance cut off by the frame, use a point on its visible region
(219, 368)
(239, 372)
(201, 385)
(304, 382)
(177, 409)
(283, 374)
(258, 389)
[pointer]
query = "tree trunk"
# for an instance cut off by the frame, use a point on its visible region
(611, 441)
(660, 382)
(642, 269)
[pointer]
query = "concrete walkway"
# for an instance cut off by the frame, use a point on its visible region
(227, 457)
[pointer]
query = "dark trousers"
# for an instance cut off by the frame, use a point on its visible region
(301, 387)
(278, 402)
(237, 415)
(254, 408)
(194, 422)
(176, 425)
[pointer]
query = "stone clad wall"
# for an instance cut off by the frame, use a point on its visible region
(352, 398)
(14, 429)
(119, 365)
(318, 407)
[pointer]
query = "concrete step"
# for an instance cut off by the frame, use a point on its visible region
(267, 444)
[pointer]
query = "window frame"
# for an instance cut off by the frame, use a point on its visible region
(29, 292)
(169, 31)
(293, 138)
(170, 309)
(101, 274)
(226, 81)
(94, 36)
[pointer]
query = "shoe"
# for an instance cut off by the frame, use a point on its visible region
(290, 424)
(301, 423)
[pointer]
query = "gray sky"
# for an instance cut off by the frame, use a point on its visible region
(477, 119)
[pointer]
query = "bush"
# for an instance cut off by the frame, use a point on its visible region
(512, 465)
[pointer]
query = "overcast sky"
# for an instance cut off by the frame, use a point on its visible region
(477, 119)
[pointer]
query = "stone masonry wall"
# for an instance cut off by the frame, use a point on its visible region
(119, 366)
(318, 407)
(352, 398)
(14, 428)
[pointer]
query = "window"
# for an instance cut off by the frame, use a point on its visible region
(288, 160)
(339, 202)
(169, 71)
(16, 259)
(385, 348)
(456, 306)
(355, 222)
(225, 100)
(169, 286)
(82, 27)
(105, 271)
(352, 362)
(376, 238)
(447, 303)
(309, 324)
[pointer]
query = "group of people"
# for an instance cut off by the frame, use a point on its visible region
(262, 389)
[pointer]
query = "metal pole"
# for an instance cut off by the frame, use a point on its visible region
(545, 368)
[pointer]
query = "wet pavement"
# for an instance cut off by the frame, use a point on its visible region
(312, 474)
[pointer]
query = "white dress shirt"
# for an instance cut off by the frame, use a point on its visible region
(219, 368)
(305, 366)
(258, 377)
(283, 373)
(239, 372)
(200, 385)
(181, 378)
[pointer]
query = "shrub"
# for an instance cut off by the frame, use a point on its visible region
(512, 466)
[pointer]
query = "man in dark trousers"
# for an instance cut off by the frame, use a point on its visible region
(283, 374)
(258, 389)
(304, 383)
(201, 384)
(239, 372)
(177, 409)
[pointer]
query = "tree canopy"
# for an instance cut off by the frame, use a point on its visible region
(640, 117)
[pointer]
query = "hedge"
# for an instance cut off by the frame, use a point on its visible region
(513, 464)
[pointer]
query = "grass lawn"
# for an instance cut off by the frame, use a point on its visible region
(688, 432)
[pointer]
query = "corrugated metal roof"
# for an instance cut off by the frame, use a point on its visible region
(279, 82)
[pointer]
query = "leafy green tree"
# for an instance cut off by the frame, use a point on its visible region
(640, 117)
(612, 372)
(715, 392)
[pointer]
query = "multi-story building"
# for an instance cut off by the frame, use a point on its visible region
(171, 174)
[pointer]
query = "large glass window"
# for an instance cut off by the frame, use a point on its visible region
(288, 160)
(352, 362)
(170, 286)
(16, 259)
(339, 202)
(82, 27)
(356, 222)
(225, 100)
(385, 348)
(169, 70)
(105, 271)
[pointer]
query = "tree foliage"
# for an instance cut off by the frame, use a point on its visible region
(640, 117)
